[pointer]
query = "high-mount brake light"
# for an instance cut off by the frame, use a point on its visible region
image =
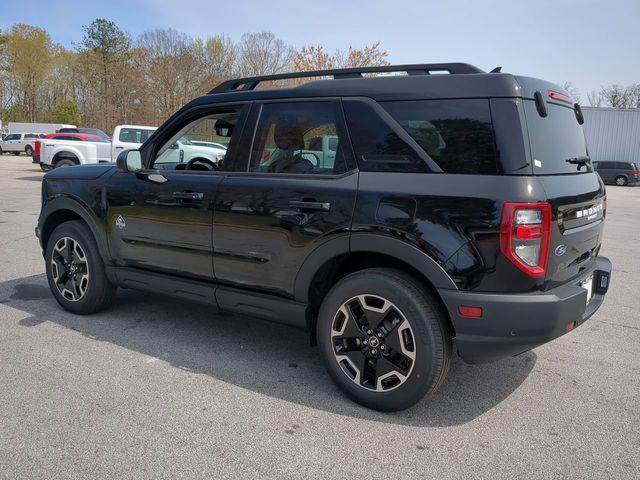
(525, 236)
(559, 97)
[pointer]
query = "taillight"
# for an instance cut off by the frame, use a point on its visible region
(635, 173)
(37, 150)
(525, 236)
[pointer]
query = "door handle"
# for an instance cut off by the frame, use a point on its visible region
(188, 195)
(310, 205)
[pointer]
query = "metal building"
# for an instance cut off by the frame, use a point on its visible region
(612, 134)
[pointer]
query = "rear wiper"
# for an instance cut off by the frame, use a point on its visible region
(580, 161)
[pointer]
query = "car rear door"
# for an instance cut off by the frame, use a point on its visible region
(279, 202)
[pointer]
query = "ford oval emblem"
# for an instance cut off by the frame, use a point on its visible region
(561, 250)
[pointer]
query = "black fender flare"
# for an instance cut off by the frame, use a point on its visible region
(84, 212)
(370, 243)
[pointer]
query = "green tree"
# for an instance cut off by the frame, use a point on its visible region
(29, 52)
(66, 112)
(107, 49)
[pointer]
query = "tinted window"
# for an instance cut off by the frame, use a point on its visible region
(378, 148)
(623, 166)
(30, 135)
(13, 136)
(298, 138)
(134, 135)
(457, 134)
(554, 139)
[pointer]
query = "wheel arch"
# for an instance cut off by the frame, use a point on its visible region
(65, 209)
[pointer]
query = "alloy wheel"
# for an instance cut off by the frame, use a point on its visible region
(373, 343)
(70, 269)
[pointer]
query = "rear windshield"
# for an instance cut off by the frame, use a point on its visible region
(554, 139)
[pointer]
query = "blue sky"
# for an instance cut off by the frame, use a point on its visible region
(591, 43)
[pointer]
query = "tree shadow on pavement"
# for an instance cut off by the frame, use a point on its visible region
(263, 357)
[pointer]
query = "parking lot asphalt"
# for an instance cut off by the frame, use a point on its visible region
(156, 388)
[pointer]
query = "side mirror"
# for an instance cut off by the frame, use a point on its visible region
(129, 161)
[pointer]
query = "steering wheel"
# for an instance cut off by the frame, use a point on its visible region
(208, 164)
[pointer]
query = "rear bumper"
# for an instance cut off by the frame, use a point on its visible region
(515, 323)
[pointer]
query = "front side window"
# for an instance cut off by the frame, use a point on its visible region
(202, 144)
(13, 136)
(301, 138)
(456, 134)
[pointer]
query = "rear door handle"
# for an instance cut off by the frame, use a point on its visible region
(188, 195)
(310, 205)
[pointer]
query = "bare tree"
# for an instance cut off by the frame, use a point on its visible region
(263, 54)
(595, 98)
(616, 96)
(170, 68)
(573, 91)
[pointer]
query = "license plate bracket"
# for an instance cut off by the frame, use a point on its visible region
(587, 284)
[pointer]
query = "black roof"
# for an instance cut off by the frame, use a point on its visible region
(465, 81)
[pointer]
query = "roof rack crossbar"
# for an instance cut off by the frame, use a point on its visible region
(250, 83)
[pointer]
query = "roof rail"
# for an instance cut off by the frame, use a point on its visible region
(250, 83)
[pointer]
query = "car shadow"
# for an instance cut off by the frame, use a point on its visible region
(263, 357)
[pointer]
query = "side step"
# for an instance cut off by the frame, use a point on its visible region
(228, 299)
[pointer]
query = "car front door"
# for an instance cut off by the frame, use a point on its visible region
(283, 201)
(160, 218)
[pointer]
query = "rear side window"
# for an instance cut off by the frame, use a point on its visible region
(554, 139)
(456, 134)
(134, 135)
(377, 146)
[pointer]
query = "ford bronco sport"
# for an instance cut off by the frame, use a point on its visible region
(399, 218)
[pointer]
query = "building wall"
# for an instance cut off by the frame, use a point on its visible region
(612, 134)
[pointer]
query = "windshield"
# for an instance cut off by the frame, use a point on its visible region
(557, 140)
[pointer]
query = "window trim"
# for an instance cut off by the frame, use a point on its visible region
(397, 129)
(341, 125)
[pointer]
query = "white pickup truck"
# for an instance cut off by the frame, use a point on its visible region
(52, 153)
(17, 143)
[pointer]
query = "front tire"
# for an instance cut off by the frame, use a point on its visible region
(384, 339)
(28, 150)
(75, 270)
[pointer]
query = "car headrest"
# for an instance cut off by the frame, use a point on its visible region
(288, 134)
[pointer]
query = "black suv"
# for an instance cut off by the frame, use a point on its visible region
(398, 218)
(620, 173)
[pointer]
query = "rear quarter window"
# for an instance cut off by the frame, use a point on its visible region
(457, 134)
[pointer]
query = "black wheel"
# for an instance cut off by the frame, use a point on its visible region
(1, 151)
(28, 150)
(65, 162)
(44, 168)
(75, 270)
(621, 181)
(16, 153)
(384, 339)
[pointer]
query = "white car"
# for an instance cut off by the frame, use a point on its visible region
(17, 143)
(57, 153)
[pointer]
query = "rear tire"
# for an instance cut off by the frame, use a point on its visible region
(65, 162)
(621, 181)
(384, 339)
(28, 150)
(75, 270)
